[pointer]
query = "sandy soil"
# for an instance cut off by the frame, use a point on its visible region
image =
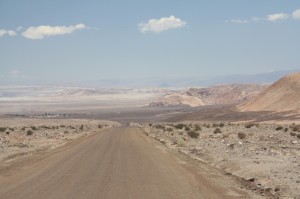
(266, 155)
(24, 137)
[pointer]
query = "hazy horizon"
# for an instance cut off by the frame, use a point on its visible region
(158, 82)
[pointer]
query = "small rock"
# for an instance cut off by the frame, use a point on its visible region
(295, 142)
(228, 173)
(251, 179)
(231, 146)
(268, 189)
(163, 141)
(277, 189)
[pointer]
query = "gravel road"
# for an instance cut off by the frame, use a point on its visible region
(118, 163)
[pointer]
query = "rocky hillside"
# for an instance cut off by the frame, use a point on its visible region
(283, 95)
(177, 100)
(225, 94)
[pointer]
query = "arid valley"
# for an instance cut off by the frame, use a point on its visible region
(241, 141)
(149, 99)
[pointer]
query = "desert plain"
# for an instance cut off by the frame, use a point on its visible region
(229, 141)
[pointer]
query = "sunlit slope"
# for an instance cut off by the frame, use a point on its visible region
(283, 95)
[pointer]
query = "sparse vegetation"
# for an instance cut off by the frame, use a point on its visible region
(221, 125)
(248, 126)
(292, 133)
(72, 127)
(179, 126)
(45, 127)
(180, 143)
(286, 129)
(100, 126)
(217, 130)
(187, 128)
(193, 134)
(279, 128)
(159, 126)
(241, 135)
(29, 132)
(3, 129)
(197, 127)
(170, 129)
(296, 128)
(33, 128)
(81, 127)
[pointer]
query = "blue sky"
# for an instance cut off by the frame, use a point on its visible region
(69, 40)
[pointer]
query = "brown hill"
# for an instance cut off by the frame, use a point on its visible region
(283, 95)
(216, 95)
(177, 100)
(226, 94)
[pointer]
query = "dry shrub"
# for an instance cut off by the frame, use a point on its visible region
(248, 126)
(193, 134)
(3, 129)
(217, 130)
(29, 132)
(197, 127)
(242, 135)
(179, 126)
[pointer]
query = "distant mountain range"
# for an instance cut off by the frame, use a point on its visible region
(164, 82)
(181, 82)
(260, 78)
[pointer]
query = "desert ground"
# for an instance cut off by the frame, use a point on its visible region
(83, 143)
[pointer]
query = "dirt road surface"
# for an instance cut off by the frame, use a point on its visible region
(121, 163)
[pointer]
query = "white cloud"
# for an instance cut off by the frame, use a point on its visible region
(239, 21)
(270, 18)
(296, 14)
(277, 17)
(40, 32)
(10, 33)
(162, 24)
